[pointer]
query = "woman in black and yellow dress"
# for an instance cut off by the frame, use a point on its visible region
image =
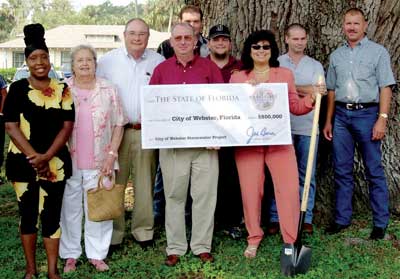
(39, 117)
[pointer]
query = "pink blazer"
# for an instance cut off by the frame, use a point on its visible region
(297, 106)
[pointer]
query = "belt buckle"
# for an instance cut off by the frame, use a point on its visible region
(349, 106)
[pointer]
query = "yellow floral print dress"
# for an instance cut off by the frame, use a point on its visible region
(41, 116)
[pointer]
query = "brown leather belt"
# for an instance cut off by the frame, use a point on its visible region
(135, 126)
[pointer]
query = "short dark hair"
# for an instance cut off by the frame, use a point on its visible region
(191, 9)
(353, 11)
(295, 26)
(253, 38)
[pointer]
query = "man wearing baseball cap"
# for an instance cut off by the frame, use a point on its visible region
(229, 203)
(220, 47)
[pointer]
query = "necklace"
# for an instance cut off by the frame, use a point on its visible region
(261, 72)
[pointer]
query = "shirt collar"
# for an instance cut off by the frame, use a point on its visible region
(190, 63)
(201, 40)
(360, 43)
(144, 55)
(291, 60)
(232, 60)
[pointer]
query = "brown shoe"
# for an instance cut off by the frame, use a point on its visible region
(172, 260)
(273, 228)
(206, 257)
(308, 228)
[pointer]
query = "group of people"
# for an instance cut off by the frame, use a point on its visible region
(98, 113)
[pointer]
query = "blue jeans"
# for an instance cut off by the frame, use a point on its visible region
(159, 198)
(355, 127)
(301, 145)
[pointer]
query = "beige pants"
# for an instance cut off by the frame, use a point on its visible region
(141, 164)
(200, 167)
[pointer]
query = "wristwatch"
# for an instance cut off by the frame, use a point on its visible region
(383, 115)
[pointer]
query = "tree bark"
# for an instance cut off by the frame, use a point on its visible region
(323, 19)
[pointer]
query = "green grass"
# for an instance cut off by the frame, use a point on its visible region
(347, 255)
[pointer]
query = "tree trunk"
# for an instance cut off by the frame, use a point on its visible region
(323, 19)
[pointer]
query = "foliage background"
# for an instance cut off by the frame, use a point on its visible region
(14, 14)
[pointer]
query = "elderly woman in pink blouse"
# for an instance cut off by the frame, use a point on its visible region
(94, 147)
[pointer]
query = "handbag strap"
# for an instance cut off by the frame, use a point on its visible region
(100, 183)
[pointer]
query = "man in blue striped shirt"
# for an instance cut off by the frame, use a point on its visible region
(359, 84)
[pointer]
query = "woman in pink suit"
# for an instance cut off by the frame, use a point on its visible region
(260, 65)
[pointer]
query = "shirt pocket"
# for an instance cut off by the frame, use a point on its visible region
(365, 71)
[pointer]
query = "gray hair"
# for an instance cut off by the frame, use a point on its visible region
(78, 48)
(183, 24)
(137, 19)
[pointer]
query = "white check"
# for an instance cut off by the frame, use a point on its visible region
(203, 115)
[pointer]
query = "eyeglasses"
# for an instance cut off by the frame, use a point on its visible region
(264, 47)
(186, 38)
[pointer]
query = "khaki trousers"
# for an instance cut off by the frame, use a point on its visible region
(200, 167)
(141, 165)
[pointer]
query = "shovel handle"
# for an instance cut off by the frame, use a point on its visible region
(311, 152)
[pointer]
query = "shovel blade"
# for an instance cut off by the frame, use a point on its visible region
(295, 260)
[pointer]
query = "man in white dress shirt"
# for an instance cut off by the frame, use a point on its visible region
(129, 68)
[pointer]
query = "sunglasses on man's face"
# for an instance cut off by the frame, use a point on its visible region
(264, 47)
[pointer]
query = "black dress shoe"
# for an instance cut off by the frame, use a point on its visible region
(147, 244)
(113, 248)
(159, 221)
(336, 228)
(377, 233)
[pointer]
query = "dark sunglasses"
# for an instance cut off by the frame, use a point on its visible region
(264, 47)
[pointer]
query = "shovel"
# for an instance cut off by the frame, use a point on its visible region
(296, 258)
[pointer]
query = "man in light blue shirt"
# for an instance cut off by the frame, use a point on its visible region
(359, 84)
(306, 71)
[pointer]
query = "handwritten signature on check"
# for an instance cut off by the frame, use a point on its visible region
(253, 133)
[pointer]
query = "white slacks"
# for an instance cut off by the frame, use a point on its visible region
(97, 235)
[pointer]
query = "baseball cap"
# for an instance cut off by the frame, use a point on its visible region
(219, 30)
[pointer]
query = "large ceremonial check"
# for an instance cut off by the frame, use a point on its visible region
(204, 115)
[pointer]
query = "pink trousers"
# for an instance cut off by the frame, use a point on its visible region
(281, 162)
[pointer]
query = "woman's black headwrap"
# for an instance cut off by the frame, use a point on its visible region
(34, 38)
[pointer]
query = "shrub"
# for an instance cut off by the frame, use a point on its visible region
(8, 74)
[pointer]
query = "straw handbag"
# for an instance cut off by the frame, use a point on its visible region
(105, 204)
